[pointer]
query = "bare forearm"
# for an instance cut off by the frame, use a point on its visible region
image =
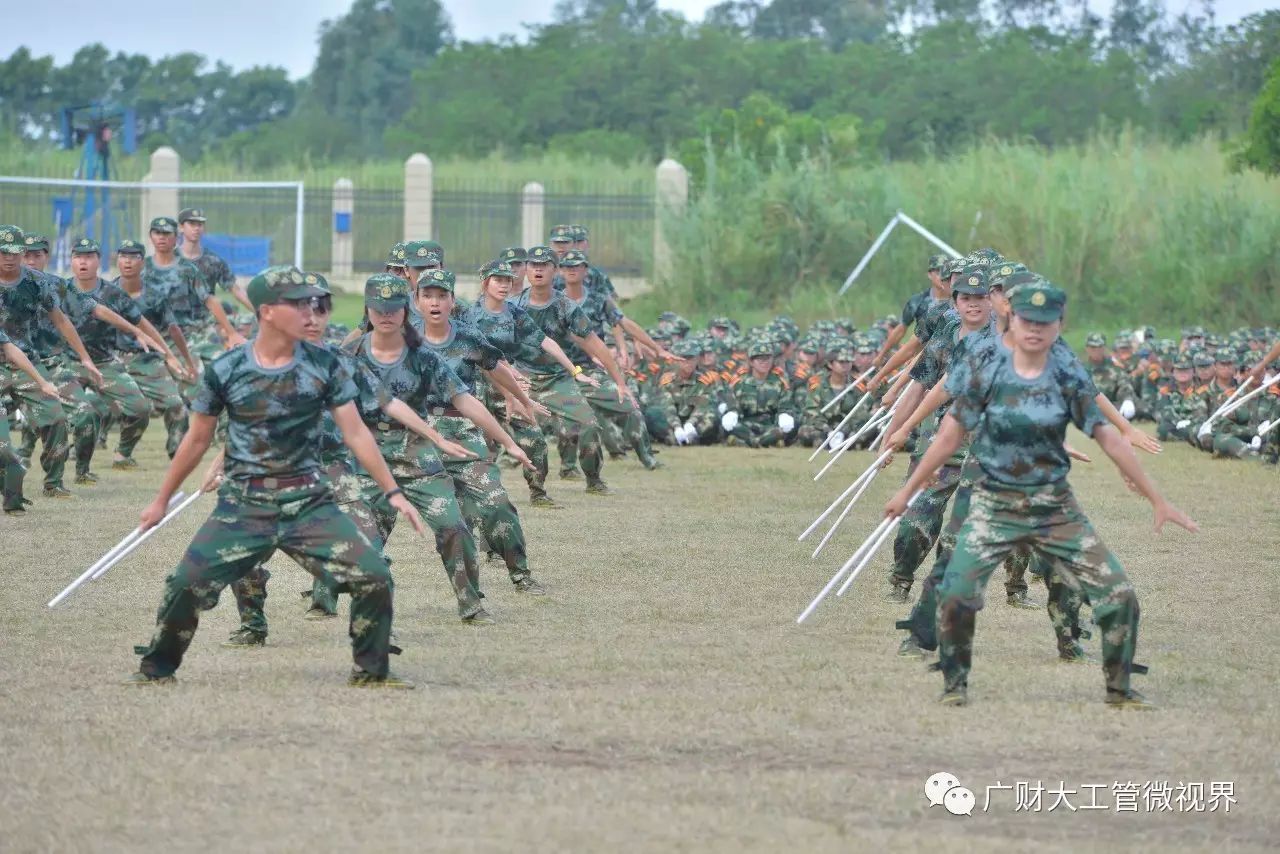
(897, 360)
(557, 353)
(219, 317)
(596, 349)
(403, 412)
(189, 453)
(180, 341)
(483, 418)
(1120, 452)
(68, 332)
(20, 361)
(366, 452)
(945, 443)
(895, 335)
(505, 380)
(936, 397)
(907, 405)
(154, 334)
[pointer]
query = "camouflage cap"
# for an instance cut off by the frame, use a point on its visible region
(280, 283)
(385, 292)
(561, 234)
(131, 247)
(574, 258)
(1202, 359)
(985, 256)
(721, 322)
(164, 225)
(1000, 273)
(513, 255)
(35, 243)
(11, 236)
(951, 267)
(420, 254)
(395, 255)
(865, 347)
(317, 280)
(541, 255)
(1182, 362)
(1095, 339)
(1038, 301)
(445, 280)
(1193, 332)
(688, 348)
(761, 347)
(810, 344)
(191, 215)
(1227, 356)
(501, 269)
(972, 283)
(580, 232)
(937, 262)
(86, 246)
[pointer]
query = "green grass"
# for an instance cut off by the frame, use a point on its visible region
(661, 698)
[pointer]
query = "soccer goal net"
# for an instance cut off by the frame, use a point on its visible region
(251, 224)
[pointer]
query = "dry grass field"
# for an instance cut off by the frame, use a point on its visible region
(661, 698)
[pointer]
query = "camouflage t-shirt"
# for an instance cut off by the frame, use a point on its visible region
(75, 304)
(22, 304)
(933, 360)
(419, 377)
(154, 307)
(214, 270)
(274, 415)
(558, 319)
(595, 278)
(184, 289)
(1018, 424)
(602, 313)
(916, 307)
(100, 337)
(933, 314)
(511, 330)
(465, 350)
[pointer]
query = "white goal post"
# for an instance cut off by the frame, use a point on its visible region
(63, 208)
(898, 217)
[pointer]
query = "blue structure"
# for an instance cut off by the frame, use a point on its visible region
(93, 126)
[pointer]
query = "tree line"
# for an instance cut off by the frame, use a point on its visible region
(863, 80)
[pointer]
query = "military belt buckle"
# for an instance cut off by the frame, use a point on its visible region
(270, 483)
(384, 426)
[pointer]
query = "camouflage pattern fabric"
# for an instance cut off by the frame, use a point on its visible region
(1113, 381)
(1047, 520)
(245, 529)
(214, 270)
(45, 416)
(697, 398)
(184, 289)
(919, 527)
(560, 394)
(153, 379)
(1177, 404)
(120, 392)
(759, 402)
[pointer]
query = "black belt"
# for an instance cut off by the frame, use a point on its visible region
(447, 412)
(281, 482)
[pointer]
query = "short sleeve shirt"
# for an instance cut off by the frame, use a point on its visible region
(419, 377)
(184, 289)
(215, 271)
(916, 306)
(511, 330)
(274, 415)
(74, 303)
(22, 304)
(602, 313)
(933, 314)
(466, 350)
(100, 338)
(1019, 424)
(558, 319)
(151, 302)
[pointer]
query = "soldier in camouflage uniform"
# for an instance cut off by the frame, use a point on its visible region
(915, 307)
(274, 496)
(1231, 435)
(215, 270)
(340, 468)
(1112, 379)
(1181, 407)
(652, 391)
(11, 462)
(118, 388)
(699, 394)
(25, 299)
(1018, 408)
(817, 425)
(393, 353)
(610, 400)
(196, 309)
(761, 416)
(155, 372)
(477, 483)
(553, 387)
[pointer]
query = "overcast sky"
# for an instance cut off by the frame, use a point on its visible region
(244, 33)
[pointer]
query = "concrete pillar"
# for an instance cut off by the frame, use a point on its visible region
(342, 254)
(533, 213)
(166, 167)
(419, 180)
(671, 200)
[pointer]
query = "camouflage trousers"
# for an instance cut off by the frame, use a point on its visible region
(161, 390)
(706, 423)
(46, 417)
(1225, 444)
(762, 432)
(81, 406)
(246, 528)
(1048, 521)
(119, 392)
(660, 418)
(484, 501)
(559, 393)
(433, 497)
(251, 590)
(1064, 603)
(1166, 429)
(13, 465)
(528, 436)
(624, 415)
